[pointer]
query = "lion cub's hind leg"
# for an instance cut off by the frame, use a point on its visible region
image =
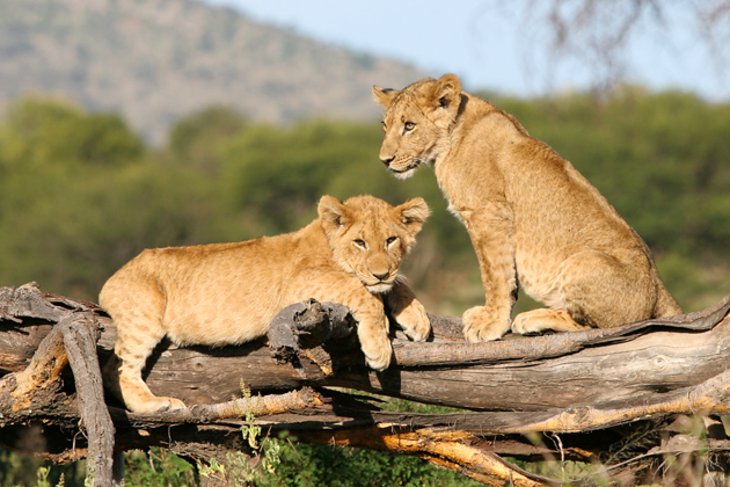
(133, 352)
(539, 320)
(607, 290)
(137, 315)
(597, 289)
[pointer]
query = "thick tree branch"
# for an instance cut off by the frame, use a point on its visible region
(79, 339)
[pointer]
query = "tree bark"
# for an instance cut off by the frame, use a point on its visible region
(593, 382)
(79, 339)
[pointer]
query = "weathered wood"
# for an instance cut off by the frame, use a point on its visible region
(585, 382)
(522, 348)
(33, 386)
(268, 405)
(144, 431)
(27, 301)
(79, 340)
(610, 374)
(455, 450)
(37, 386)
(18, 344)
(607, 368)
(26, 316)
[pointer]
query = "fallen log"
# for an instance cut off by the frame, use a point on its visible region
(607, 368)
(593, 382)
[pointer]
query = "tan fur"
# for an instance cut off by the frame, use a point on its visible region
(228, 293)
(532, 218)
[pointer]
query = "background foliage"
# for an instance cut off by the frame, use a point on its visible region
(80, 194)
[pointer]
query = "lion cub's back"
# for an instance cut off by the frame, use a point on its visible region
(212, 294)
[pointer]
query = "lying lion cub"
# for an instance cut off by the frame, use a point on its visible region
(532, 218)
(228, 293)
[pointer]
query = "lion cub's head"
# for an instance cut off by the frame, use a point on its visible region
(417, 122)
(369, 237)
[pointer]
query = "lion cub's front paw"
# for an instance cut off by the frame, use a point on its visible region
(379, 363)
(174, 404)
(414, 321)
(377, 349)
(482, 324)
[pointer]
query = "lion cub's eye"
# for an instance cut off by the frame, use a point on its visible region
(360, 243)
(408, 126)
(385, 127)
(390, 240)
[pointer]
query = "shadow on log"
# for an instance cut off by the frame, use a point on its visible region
(593, 382)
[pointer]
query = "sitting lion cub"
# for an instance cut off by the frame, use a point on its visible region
(532, 218)
(228, 293)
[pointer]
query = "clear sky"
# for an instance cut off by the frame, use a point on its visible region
(491, 45)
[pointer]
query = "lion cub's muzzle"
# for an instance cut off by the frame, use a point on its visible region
(399, 166)
(379, 282)
(409, 167)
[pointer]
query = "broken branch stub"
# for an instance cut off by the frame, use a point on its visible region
(307, 334)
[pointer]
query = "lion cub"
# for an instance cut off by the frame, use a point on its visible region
(228, 293)
(532, 218)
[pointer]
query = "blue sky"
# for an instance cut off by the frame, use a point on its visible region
(490, 45)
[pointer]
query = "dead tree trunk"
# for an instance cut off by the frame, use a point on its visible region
(593, 382)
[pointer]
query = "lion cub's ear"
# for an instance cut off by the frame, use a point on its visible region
(447, 92)
(384, 96)
(332, 213)
(413, 214)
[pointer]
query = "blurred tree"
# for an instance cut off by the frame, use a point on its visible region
(196, 139)
(79, 197)
(39, 132)
(282, 173)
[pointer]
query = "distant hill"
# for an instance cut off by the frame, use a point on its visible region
(157, 60)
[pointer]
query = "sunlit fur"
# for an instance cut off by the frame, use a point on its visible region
(228, 293)
(532, 218)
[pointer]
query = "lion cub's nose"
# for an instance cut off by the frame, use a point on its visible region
(381, 275)
(387, 160)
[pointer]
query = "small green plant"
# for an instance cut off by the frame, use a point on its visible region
(250, 431)
(266, 451)
(42, 477)
(212, 470)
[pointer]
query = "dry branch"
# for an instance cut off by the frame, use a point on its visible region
(455, 450)
(79, 339)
